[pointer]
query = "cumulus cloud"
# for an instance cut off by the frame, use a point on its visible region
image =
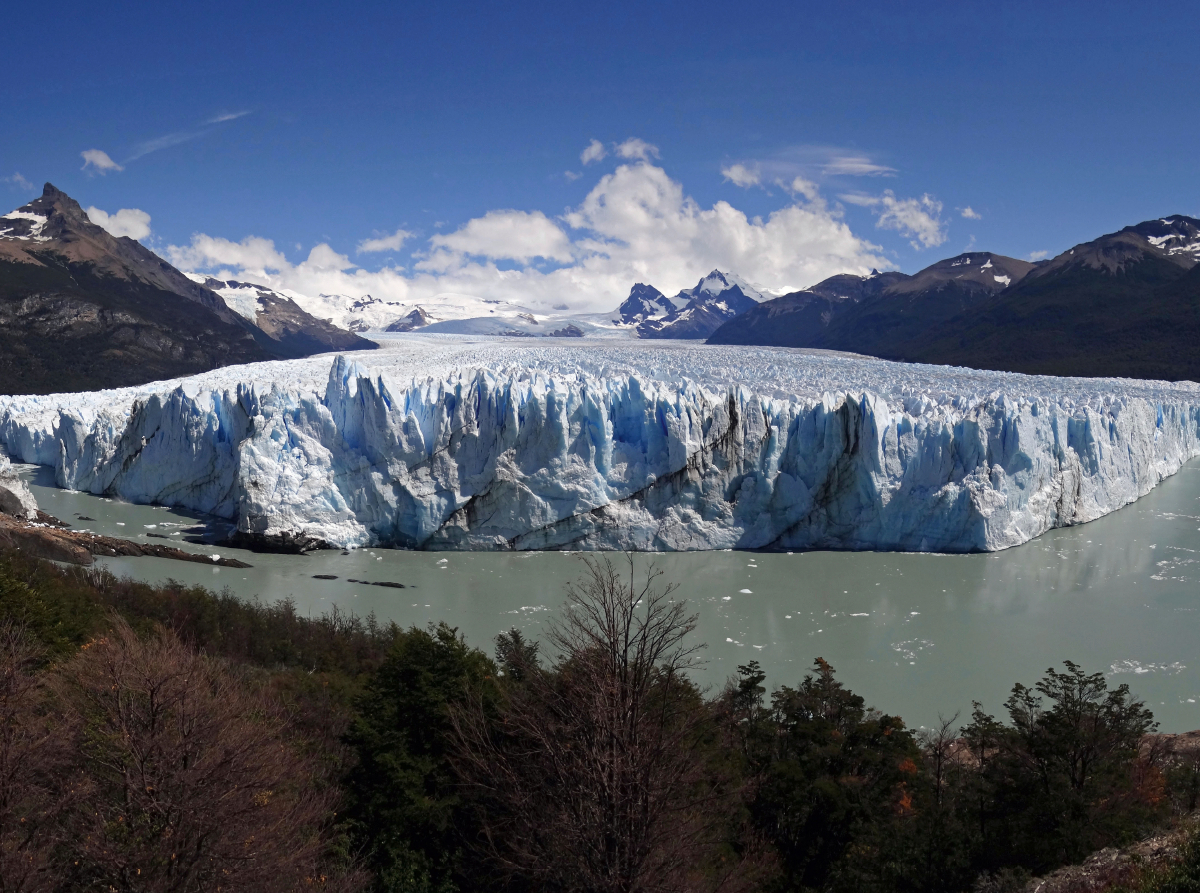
(504, 235)
(856, 166)
(385, 243)
(253, 257)
(970, 213)
(636, 150)
(20, 182)
(594, 152)
(915, 217)
(740, 175)
(635, 225)
(130, 222)
(1038, 255)
(98, 161)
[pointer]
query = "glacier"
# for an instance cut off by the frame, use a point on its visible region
(441, 442)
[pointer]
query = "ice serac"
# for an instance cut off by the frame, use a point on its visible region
(454, 444)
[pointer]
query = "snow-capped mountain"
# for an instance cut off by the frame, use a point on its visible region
(82, 309)
(370, 314)
(281, 317)
(693, 313)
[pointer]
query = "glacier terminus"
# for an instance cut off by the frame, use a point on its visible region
(443, 442)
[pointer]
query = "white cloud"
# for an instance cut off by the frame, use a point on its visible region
(593, 152)
(635, 149)
(130, 222)
(635, 225)
(99, 161)
(226, 116)
(740, 175)
(20, 182)
(916, 217)
(1038, 255)
(856, 166)
(970, 213)
(254, 257)
(801, 186)
(505, 235)
(385, 243)
(572, 176)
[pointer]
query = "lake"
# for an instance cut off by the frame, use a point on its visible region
(916, 634)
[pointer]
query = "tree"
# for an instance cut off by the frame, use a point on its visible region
(595, 773)
(37, 782)
(405, 812)
(1068, 776)
(192, 783)
(834, 777)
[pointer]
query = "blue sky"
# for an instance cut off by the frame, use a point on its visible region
(237, 125)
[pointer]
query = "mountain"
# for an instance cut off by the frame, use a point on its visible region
(1126, 304)
(283, 319)
(693, 313)
(81, 309)
(871, 314)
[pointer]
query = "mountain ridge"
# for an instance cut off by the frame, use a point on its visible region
(81, 309)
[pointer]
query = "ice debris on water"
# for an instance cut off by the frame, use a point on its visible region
(454, 443)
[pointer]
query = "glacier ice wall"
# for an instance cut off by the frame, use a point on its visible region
(458, 445)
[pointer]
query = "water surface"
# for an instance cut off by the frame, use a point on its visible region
(916, 634)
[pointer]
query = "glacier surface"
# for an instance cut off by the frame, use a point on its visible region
(437, 442)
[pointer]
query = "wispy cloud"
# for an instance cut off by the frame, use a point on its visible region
(227, 116)
(572, 176)
(163, 142)
(19, 182)
(855, 166)
(970, 213)
(1038, 255)
(385, 243)
(740, 175)
(101, 163)
(916, 217)
(813, 164)
(97, 161)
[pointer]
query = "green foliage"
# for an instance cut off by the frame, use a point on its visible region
(1065, 778)
(834, 777)
(405, 811)
(59, 613)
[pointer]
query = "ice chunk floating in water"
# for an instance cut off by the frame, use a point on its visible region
(443, 443)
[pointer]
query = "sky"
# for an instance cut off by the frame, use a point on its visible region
(553, 154)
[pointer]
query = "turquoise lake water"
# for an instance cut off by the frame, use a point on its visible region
(916, 634)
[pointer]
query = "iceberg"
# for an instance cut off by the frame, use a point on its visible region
(440, 442)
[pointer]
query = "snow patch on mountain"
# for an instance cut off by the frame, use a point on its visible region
(446, 443)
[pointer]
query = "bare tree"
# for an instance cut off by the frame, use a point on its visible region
(194, 784)
(37, 785)
(593, 774)
(939, 745)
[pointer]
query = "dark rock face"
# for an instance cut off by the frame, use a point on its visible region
(1126, 304)
(281, 543)
(869, 314)
(81, 309)
(415, 320)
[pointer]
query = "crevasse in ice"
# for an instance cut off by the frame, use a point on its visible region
(445, 443)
